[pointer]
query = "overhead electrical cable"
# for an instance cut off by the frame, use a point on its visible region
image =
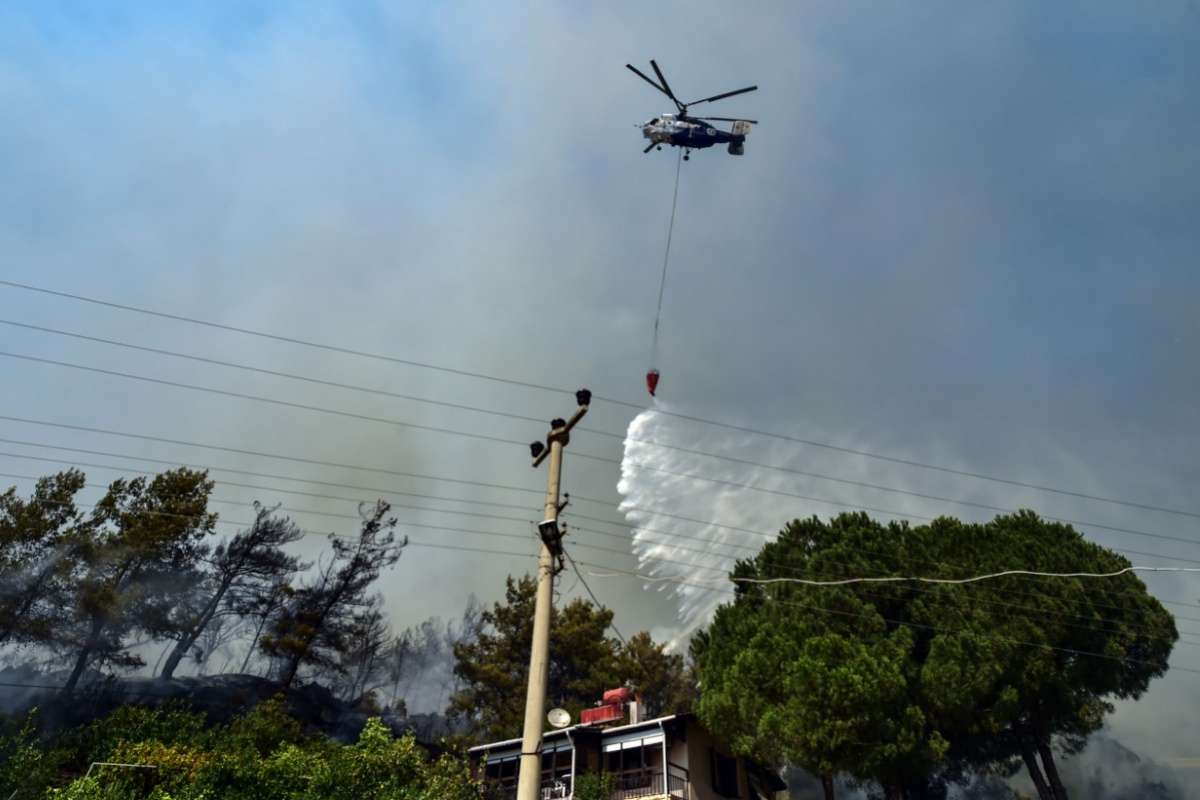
(794, 569)
(293, 340)
(497, 413)
(625, 538)
(287, 491)
(469, 531)
(592, 595)
(1035, 613)
(260, 399)
(763, 534)
(279, 374)
(589, 456)
(1001, 509)
(379, 490)
(973, 579)
(270, 476)
(691, 418)
(403, 524)
(791, 568)
(222, 482)
(262, 454)
(920, 626)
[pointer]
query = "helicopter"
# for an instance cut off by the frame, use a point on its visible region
(691, 133)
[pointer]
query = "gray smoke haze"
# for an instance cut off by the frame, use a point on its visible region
(962, 233)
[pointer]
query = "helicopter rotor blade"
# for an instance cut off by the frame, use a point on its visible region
(642, 75)
(724, 95)
(729, 119)
(663, 78)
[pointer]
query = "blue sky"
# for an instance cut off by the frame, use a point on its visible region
(963, 233)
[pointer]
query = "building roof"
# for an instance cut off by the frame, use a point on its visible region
(647, 723)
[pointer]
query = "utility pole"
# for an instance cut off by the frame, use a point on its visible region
(529, 781)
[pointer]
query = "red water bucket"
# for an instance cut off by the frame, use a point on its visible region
(652, 381)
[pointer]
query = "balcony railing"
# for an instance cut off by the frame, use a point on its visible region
(647, 783)
(628, 785)
(552, 789)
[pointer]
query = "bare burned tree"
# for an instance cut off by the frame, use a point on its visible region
(312, 628)
(253, 558)
(363, 663)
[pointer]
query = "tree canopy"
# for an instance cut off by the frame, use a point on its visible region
(584, 661)
(907, 684)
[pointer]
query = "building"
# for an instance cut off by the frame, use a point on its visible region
(666, 758)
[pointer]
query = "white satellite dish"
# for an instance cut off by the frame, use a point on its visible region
(559, 717)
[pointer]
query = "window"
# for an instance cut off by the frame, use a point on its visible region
(724, 775)
(556, 763)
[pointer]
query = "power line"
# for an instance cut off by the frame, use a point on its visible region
(1001, 509)
(278, 374)
(492, 516)
(1039, 612)
(920, 626)
(639, 465)
(260, 399)
(261, 454)
(308, 532)
(480, 410)
(611, 623)
(764, 534)
(284, 491)
(468, 531)
(455, 529)
(331, 515)
(302, 342)
(972, 579)
(615, 401)
(270, 476)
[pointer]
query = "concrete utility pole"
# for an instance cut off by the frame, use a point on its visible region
(529, 781)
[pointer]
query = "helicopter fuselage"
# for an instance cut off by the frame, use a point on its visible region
(688, 133)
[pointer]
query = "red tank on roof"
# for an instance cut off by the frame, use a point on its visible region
(615, 696)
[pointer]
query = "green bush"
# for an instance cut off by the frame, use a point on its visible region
(263, 755)
(594, 786)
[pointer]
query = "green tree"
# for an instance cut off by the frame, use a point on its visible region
(584, 661)
(663, 679)
(831, 692)
(141, 538)
(38, 554)
(1056, 668)
(927, 684)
